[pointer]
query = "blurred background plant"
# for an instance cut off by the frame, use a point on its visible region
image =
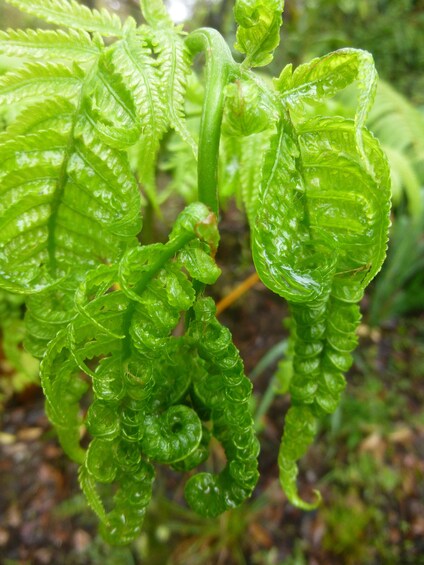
(369, 462)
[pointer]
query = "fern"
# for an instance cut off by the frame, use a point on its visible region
(125, 328)
(68, 13)
(329, 244)
(75, 45)
(39, 80)
(142, 400)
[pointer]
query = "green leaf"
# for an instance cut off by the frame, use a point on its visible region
(284, 256)
(319, 237)
(39, 80)
(174, 67)
(155, 14)
(299, 432)
(248, 109)
(75, 45)
(258, 33)
(324, 76)
(69, 13)
(173, 436)
(75, 199)
(132, 58)
(224, 391)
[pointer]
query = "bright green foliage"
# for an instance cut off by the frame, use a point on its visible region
(152, 389)
(258, 33)
(334, 207)
(125, 328)
(323, 77)
(69, 13)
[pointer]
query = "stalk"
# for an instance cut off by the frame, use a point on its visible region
(220, 69)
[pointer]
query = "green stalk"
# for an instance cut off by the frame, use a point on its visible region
(220, 69)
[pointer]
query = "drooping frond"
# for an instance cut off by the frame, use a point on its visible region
(319, 237)
(75, 45)
(149, 398)
(71, 14)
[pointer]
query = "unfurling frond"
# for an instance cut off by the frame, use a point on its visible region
(324, 76)
(131, 350)
(258, 34)
(149, 399)
(319, 237)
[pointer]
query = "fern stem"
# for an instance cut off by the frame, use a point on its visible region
(220, 69)
(237, 293)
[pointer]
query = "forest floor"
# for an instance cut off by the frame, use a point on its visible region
(367, 461)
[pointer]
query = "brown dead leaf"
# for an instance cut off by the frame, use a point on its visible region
(375, 445)
(260, 535)
(13, 515)
(402, 435)
(7, 439)
(4, 537)
(81, 540)
(29, 434)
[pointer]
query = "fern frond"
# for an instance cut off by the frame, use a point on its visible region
(39, 79)
(397, 122)
(50, 114)
(143, 405)
(75, 45)
(69, 13)
(155, 14)
(76, 202)
(47, 313)
(139, 73)
(244, 158)
(180, 165)
(404, 176)
(174, 66)
(400, 128)
(324, 76)
(319, 237)
(258, 32)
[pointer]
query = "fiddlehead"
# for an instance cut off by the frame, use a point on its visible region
(150, 387)
(129, 321)
(320, 237)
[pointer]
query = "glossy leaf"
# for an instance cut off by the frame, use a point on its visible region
(150, 387)
(324, 76)
(258, 32)
(133, 358)
(320, 236)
